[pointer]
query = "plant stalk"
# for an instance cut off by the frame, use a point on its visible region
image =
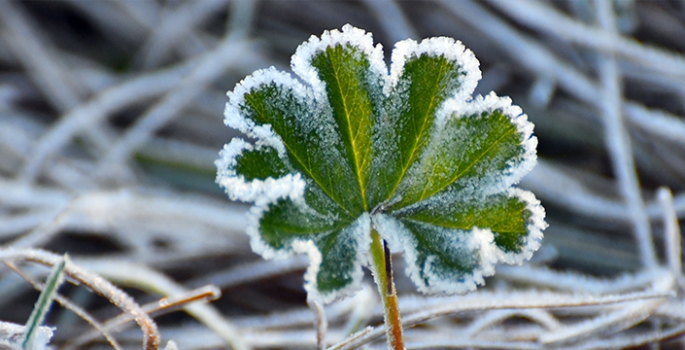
(382, 271)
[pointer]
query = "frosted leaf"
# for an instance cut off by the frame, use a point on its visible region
(354, 146)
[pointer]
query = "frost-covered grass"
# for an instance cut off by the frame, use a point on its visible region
(111, 117)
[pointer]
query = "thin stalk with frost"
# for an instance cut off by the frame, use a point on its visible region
(382, 273)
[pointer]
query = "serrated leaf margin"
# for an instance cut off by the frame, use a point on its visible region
(307, 247)
(451, 49)
(514, 172)
(489, 103)
(261, 192)
(400, 240)
(355, 37)
(292, 185)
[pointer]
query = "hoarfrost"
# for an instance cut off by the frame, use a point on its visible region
(475, 248)
(472, 244)
(479, 242)
(356, 238)
(261, 192)
(451, 49)
(236, 98)
(492, 181)
(355, 37)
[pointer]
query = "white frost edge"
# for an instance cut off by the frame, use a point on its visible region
(293, 186)
(363, 245)
(261, 192)
(234, 119)
(307, 247)
(490, 103)
(536, 224)
(399, 239)
(350, 35)
(451, 49)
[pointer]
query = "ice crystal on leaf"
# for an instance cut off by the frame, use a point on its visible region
(406, 152)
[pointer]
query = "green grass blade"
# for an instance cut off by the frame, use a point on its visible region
(42, 306)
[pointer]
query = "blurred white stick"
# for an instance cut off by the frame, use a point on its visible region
(618, 141)
(177, 28)
(545, 18)
(37, 55)
(142, 277)
(390, 15)
(97, 109)
(320, 323)
(671, 234)
(211, 66)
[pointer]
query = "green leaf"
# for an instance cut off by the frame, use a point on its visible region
(291, 226)
(349, 86)
(311, 150)
(489, 147)
(407, 151)
(260, 164)
(424, 85)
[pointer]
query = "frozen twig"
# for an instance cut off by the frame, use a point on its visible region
(177, 27)
(95, 282)
(544, 18)
(673, 239)
(66, 303)
(573, 282)
(99, 108)
(241, 18)
(164, 305)
(42, 61)
(618, 142)
(147, 279)
(111, 85)
(253, 271)
(114, 18)
(656, 121)
(524, 50)
(486, 301)
(489, 318)
(209, 68)
(616, 321)
(43, 233)
(320, 323)
(392, 19)
(37, 55)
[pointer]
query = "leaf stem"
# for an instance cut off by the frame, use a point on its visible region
(382, 270)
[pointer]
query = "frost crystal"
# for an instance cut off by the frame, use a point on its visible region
(405, 152)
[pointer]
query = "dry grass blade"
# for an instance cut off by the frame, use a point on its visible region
(95, 282)
(66, 303)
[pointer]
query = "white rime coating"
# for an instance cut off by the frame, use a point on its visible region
(451, 49)
(359, 230)
(516, 168)
(355, 37)
(261, 192)
(482, 240)
(491, 254)
(399, 238)
(495, 182)
(236, 98)
(357, 236)
(536, 224)
(360, 233)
